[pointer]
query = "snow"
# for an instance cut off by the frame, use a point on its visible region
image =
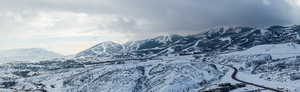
(263, 31)
(275, 50)
(197, 43)
(166, 38)
(226, 39)
(291, 85)
(170, 74)
(227, 77)
(103, 49)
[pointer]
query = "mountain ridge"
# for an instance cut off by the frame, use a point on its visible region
(219, 39)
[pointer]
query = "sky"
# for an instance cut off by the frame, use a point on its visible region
(70, 26)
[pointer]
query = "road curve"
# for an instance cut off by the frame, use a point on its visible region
(233, 76)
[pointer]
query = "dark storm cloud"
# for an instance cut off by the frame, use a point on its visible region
(193, 15)
(171, 15)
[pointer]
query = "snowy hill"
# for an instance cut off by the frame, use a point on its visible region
(105, 49)
(30, 55)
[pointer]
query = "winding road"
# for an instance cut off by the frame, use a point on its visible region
(233, 76)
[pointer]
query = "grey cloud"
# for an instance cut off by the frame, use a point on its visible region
(169, 16)
(194, 15)
(26, 20)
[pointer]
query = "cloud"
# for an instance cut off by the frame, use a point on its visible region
(50, 22)
(59, 28)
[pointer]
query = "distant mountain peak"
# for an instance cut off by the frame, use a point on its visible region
(104, 49)
(109, 42)
(27, 54)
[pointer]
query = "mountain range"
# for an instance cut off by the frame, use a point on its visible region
(174, 63)
(215, 40)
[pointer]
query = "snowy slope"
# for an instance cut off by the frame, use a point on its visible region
(173, 75)
(275, 50)
(32, 54)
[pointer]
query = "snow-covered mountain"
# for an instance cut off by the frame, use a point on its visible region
(31, 54)
(173, 63)
(215, 40)
(105, 49)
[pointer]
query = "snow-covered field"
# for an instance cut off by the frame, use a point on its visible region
(169, 75)
(275, 50)
(281, 55)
